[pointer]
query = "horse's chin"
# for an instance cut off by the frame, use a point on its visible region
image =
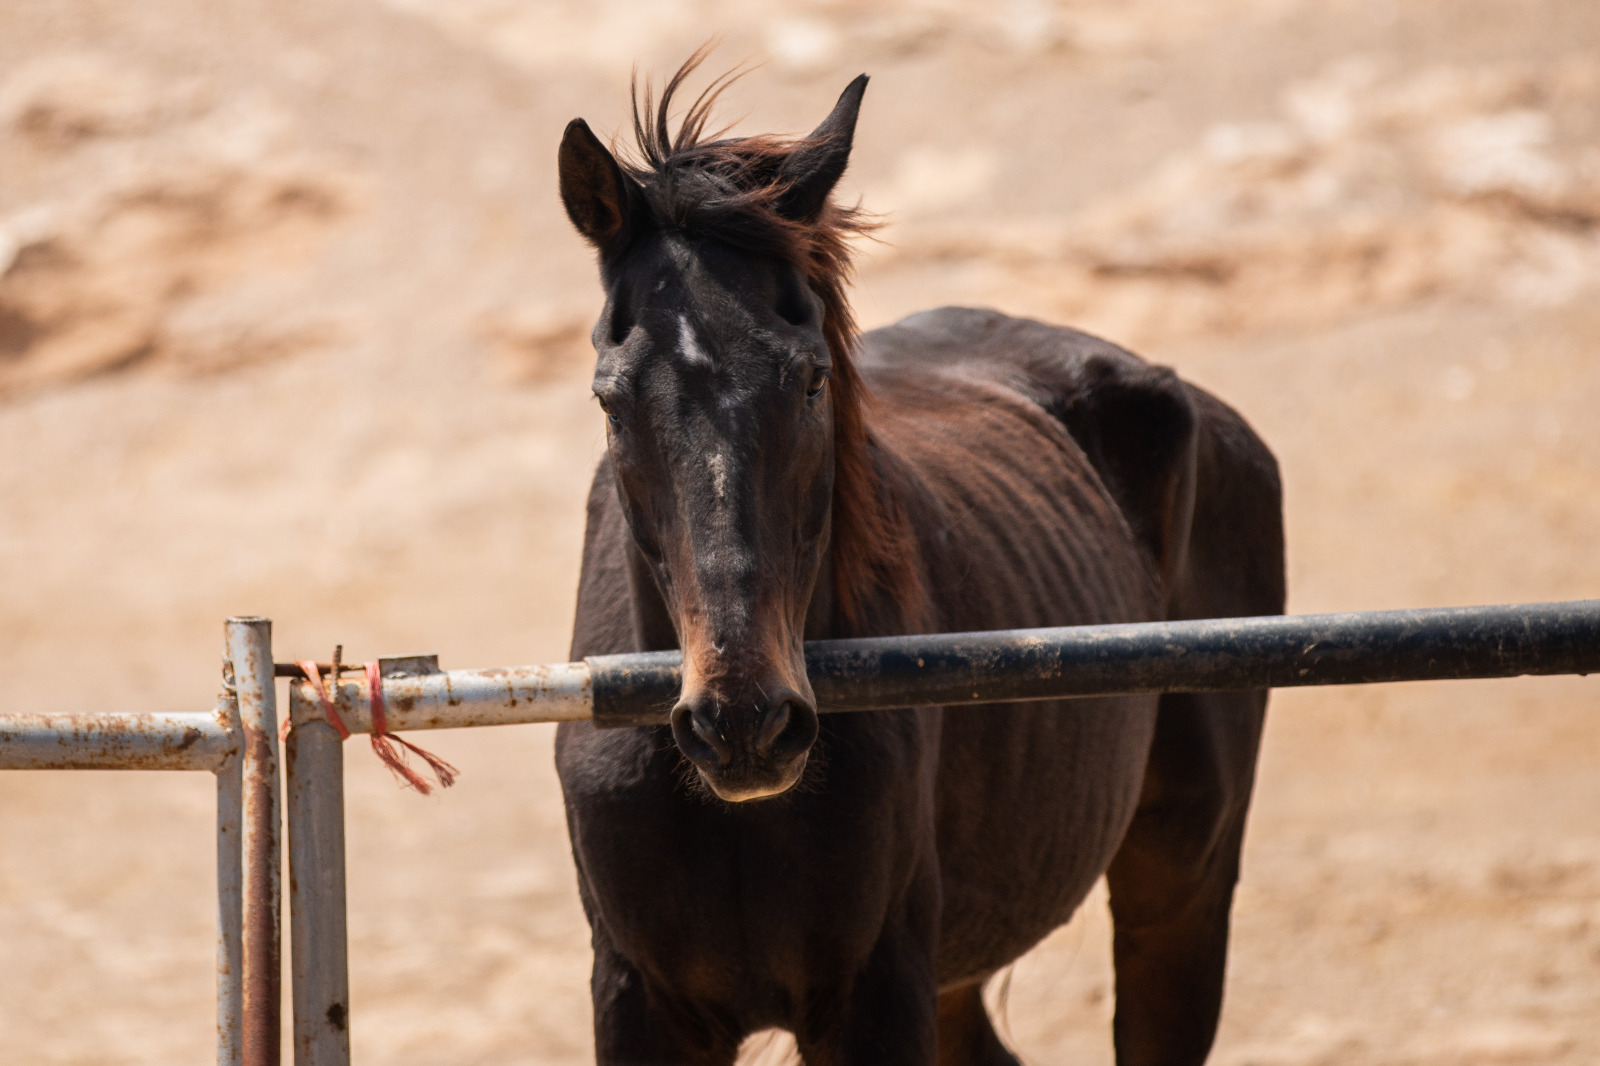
(747, 788)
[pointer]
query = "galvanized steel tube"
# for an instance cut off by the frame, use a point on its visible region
(230, 909)
(250, 651)
(414, 699)
(952, 669)
(107, 740)
(317, 934)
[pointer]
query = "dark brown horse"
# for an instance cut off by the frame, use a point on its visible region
(854, 879)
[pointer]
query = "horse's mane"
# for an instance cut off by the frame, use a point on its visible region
(730, 190)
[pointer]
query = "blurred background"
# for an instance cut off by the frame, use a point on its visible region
(292, 323)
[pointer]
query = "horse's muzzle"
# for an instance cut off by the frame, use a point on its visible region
(746, 749)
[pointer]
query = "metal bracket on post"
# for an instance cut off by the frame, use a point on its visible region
(250, 653)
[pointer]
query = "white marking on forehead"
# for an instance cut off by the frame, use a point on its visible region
(693, 354)
(719, 474)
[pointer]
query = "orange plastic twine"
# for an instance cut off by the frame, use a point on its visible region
(314, 675)
(390, 748)
(383, 742)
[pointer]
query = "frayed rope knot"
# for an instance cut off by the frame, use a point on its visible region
(389, 747)
(313, 674)
(383, 742)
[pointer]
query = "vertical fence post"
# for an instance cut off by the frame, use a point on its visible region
(317, 933)
(230, 916)
(250, 651)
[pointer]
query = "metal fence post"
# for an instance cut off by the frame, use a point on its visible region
(230, 911)
(250, 651)
(317, 934)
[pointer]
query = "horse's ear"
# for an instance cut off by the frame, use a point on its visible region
(811, 172)
(600, 199)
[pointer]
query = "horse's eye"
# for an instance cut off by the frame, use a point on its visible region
(819, 380)
(611, 415)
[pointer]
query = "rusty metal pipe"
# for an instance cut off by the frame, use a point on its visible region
(317, 936)
(952, 669)
(214, 742)
(230, 905)
(250, 651)
(418, 695)
(115, 741)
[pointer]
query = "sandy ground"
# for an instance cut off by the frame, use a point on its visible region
(291, 323)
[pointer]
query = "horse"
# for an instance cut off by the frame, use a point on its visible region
(773, 476)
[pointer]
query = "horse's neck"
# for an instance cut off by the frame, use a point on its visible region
(653, 629)
(882, 611)
(820, 621)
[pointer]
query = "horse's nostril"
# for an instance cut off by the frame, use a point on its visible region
(789, 730)
(697, 736)
(773, 725)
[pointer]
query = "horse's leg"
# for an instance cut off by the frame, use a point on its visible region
(1173, 877)
(966, 1035)
(630, 1029)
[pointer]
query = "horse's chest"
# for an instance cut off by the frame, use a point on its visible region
(747, 906)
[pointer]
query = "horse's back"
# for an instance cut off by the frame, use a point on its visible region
(948, 336)
(1035, 357)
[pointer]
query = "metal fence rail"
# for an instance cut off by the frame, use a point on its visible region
(1280, 651)
(238, 743)
(118, 741)
(879, 673)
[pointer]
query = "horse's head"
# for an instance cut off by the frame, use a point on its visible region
(724, 375)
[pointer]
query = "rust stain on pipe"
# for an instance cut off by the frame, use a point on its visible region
(115, 741)
(421, 696)
(250, 649)
(262, 966)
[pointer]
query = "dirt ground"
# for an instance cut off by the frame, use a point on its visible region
(291, 323)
